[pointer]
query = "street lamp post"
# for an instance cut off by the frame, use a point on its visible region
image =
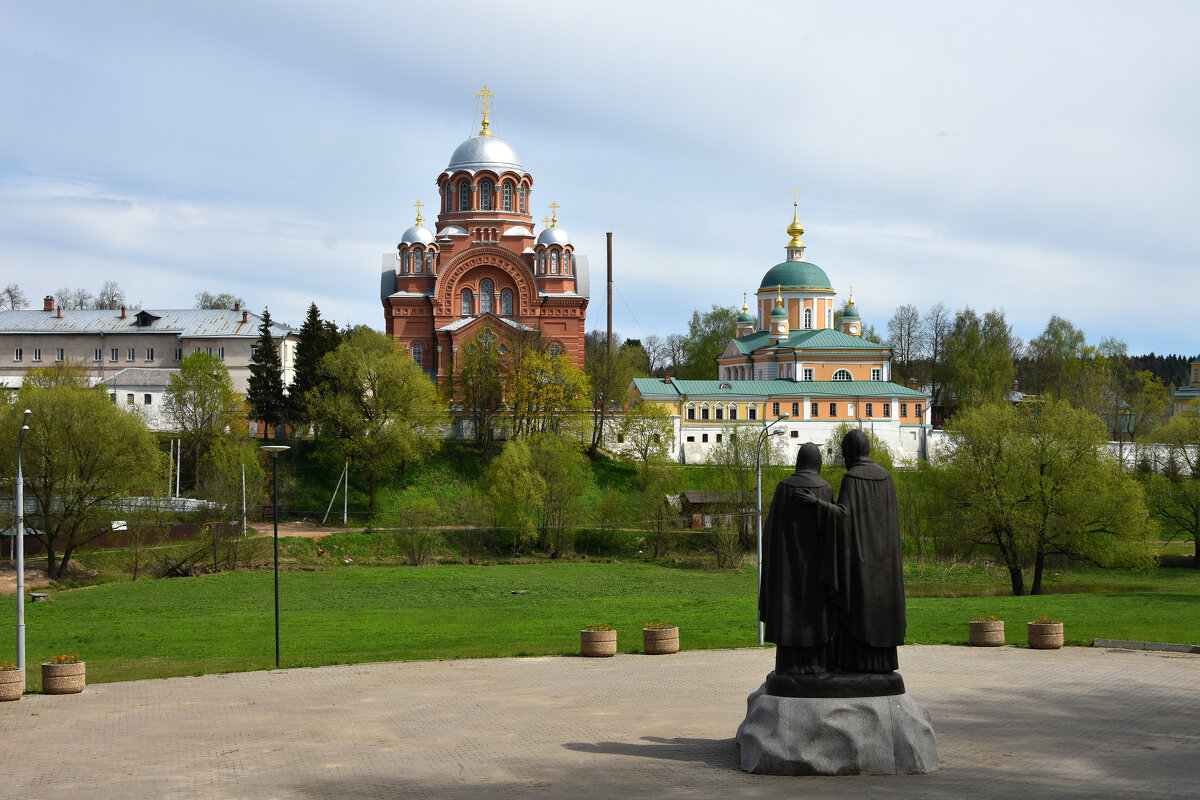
(762, 436)
(275, 450)
(21, 554)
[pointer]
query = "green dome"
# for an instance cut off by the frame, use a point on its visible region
(851, 312)
(744, 317)
(779, 311)
(796, 275)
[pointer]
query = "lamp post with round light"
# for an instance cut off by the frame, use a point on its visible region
(275, 450)
(21, 552)
(762, 437)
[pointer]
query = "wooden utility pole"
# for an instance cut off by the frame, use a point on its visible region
(609, 237)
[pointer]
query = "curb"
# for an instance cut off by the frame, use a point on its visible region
(1125, 645)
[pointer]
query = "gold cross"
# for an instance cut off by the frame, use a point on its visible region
(795, 197)
(418, 204)
(546, 221)
(554, 211)
(485, 95)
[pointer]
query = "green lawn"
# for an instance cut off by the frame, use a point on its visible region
(224, 622)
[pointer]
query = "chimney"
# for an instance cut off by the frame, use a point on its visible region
(667, 378)
(48, 303)
(60, 312)
(912, 383)
(245, 315)
(1016, 385)
(122, 312)
(237, 306)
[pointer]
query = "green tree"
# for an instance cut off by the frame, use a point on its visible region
(707, 337)
(545, 393)
(733, 459)
(83, 458)
(1055, 356)
(646, 431)
(979, 359)
(200, 402)
(222, 483)
(265, 395)
(1037, 480)
(881, 454)
(378, 408)
(1175, 493)
(478, 386)
(565, 476)
(317, 338)
(513, 491)
(609, 375)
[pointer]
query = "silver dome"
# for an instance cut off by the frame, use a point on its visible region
(417, 234)
(554, 236)
(485, 152)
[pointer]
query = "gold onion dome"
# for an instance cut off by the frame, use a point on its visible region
(795, 230)
(779, 310)
(745, 315)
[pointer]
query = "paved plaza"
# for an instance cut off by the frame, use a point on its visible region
(1010, 722)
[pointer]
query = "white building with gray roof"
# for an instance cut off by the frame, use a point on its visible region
(110, 342)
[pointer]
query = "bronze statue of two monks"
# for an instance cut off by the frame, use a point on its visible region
(832, 593)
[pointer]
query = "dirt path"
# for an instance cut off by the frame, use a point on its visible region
(302, 529)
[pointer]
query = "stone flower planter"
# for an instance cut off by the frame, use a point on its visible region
(986, 633)
(598, 644)
(660, 641)
(1045, 635)
(67, 678)
(12, 684)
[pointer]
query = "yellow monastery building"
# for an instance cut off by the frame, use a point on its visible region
(789, 360)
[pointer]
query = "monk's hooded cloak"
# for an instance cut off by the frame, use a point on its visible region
(793, 599)
(869, 586)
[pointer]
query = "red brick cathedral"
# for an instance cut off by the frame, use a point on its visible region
(482, 267)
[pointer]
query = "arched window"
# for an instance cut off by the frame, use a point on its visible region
(523, 190)
(403, 262)
(843, 375)
(829, 318)
(808, 319)
(418, 354)
(416, 260)
(486, 290)
(448, 192)
(566, 263)
(506, 302)
(508, 196)
(429, 261)
(554, 263)
(542, 263)
(485, 196)
(466, 302)
(464, 196)
(555, 351)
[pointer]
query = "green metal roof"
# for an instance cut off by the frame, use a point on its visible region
(796, 275)
(656, 388)
(823, 339)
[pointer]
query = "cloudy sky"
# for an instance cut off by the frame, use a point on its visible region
(1037, 157)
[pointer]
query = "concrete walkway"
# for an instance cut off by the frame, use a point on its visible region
(1011, 722)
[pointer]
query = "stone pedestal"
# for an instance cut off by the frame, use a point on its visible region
(883, 735)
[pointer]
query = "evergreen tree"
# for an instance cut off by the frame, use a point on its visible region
(265, 396)
(317, 339)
